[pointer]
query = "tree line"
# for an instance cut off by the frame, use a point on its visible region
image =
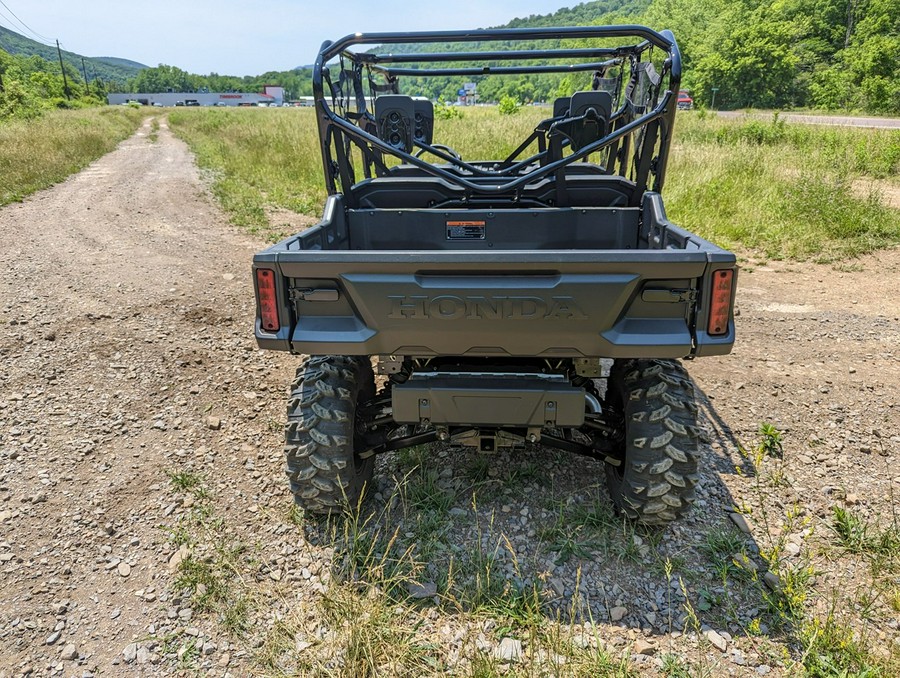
(164, 78)
(826, 54)
(829, 54)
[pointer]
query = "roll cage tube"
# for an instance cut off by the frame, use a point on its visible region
(340, 130)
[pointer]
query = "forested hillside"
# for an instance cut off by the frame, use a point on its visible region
(831, 54)
(107, 69)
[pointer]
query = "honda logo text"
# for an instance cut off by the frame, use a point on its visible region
(451, 307)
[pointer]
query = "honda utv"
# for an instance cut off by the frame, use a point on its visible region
(540, 298)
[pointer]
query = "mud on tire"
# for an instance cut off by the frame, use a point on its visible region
(656, 482)
(323, 466)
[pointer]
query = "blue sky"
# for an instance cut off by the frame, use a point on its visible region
(242, 37)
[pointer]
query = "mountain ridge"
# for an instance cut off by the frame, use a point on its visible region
(109, 69)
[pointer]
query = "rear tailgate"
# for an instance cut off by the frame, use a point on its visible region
(566, 303)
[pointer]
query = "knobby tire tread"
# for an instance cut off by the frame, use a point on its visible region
(658, 479)
(324, 471)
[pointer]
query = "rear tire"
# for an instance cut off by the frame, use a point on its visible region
(323, 465)
(656, 481)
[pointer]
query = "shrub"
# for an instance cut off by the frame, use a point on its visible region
(444, 111)
(509, 106)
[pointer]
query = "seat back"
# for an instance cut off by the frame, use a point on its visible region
(403, 192)
(395, 117)
(561, 106)
(423, 131)
(592, 125)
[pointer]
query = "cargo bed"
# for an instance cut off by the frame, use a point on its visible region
(604, 282)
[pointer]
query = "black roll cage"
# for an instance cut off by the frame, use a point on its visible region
(645, 124)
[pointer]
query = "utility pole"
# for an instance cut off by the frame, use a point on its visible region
(63, 69)
(84, 70)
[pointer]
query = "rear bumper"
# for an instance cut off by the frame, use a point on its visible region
(561, 304)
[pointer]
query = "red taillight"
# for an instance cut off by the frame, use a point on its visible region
(720, 302)
(268, 299)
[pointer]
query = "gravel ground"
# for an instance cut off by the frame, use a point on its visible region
(140, 434)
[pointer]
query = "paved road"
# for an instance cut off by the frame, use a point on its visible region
(840, 120)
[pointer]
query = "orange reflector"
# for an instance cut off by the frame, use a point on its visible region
(720, 302)
(268, 299)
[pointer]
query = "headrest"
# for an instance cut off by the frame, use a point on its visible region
(587, 129)
(600, 101)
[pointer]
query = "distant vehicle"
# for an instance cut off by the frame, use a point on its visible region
(191, 102)
(179, 103)
(221, 103)
(157, 104)
(685, 102)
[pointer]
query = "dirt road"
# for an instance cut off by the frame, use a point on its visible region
(124, 327)
(838, 120)
(128, 374)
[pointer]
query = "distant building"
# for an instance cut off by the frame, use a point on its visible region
(193, 98)
(274, 91)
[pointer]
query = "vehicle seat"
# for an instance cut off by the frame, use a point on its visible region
(395, 116)
(591, 111)
(423, 132)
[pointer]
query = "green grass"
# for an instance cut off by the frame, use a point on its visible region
(582, 529)
(725, 548)
(184, 480)
(782, 191)
(369, 616)
(379, 629)
(785, 191)
(857, 535)
(259, 159)
(38, 153)
(676, 667)
(831, 631)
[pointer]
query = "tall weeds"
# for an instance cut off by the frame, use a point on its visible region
(38, 153)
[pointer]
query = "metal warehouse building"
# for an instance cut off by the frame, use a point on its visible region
(192, 98)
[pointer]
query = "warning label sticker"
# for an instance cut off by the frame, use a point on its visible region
(465, 230)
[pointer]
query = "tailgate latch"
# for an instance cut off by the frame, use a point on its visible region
(313, 294)
(669, 296)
